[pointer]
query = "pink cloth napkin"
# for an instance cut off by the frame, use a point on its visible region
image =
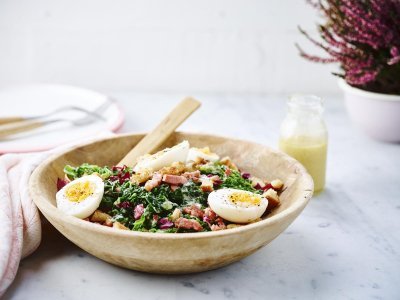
(20, 229)
(20, 226)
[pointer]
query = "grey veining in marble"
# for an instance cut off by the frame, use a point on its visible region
(345, 245)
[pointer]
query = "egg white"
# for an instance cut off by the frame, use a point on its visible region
(88, 205)
(220, 203)
(195, 153)
(163, 158)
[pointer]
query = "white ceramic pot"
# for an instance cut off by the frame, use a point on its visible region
(377, 114)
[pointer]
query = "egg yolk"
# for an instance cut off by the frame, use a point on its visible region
(244, 199)
(205, 150)
(79, 191)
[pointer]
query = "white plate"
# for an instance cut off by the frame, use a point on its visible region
(39, 99)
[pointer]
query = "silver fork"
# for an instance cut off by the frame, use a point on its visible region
(86, 119)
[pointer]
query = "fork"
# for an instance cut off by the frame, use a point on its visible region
(15, 125)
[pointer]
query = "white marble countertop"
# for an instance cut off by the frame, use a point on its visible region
(345, 245)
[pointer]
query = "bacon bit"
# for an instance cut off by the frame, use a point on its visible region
(192, 175)
(138, 211)
(219, 224)
(61, 183)
(219, 221)
(188, 224)
(194, 211)
(153, 182)
(228, 172)
(209, 215)
(174, 179)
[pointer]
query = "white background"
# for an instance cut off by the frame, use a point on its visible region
(211, 46)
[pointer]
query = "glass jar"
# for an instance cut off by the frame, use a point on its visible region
(304, 136)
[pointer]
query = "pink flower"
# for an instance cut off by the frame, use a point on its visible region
(363, 36)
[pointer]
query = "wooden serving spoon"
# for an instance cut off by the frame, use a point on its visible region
(14, 127)
(7, 120)
(163, 130)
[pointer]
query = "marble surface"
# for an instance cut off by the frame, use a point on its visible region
(345, 245)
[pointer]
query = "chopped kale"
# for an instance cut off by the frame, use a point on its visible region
(192, 193)
(214, 169)
(236, 181)
(87, 169)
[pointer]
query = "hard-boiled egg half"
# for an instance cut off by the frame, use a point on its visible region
(204, 153)
(163, 158)
(81, 197)
(237, 206)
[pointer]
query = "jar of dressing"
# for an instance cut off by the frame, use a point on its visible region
(304, 136)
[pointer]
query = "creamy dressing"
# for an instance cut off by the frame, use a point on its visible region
(312, 156)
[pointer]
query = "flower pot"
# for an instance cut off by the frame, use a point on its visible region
(377, 114)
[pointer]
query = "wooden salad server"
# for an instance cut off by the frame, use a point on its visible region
(7, 120)
(18, 125)
(163, 130)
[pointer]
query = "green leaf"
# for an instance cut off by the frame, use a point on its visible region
(87, 169)
(213, 169)
(236, 181)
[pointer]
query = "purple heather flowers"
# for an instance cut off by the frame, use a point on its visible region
(363, 36)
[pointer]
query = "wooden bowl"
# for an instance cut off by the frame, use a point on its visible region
(175, 253)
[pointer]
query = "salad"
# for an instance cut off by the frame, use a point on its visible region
(179, 189)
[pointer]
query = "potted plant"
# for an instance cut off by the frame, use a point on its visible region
(363, 36)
